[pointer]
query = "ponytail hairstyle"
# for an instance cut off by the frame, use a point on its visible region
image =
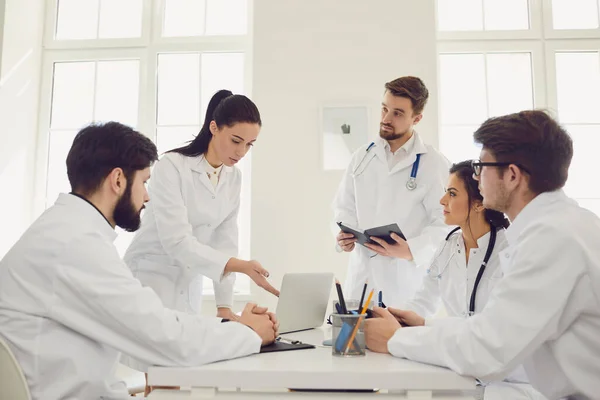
(464, 171)
(226, 109)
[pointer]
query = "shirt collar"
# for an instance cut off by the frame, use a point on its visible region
(531, 211)
(406, 148)
(209, 168)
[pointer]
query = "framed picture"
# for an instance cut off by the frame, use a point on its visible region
(343, 130)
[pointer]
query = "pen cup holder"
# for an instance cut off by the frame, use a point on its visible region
(344, 326)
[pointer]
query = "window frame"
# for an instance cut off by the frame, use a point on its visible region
(534, 31)
(551, 33)
(564, 45)
(542, 41)
(146, 49)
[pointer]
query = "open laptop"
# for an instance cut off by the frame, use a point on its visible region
(303, 301)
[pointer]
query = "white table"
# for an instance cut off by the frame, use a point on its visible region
(267, 376)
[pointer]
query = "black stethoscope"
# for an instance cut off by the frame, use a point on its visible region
(486, 258)
(411, 184)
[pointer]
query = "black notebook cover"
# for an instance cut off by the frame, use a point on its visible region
(382, 232)
(281, 346)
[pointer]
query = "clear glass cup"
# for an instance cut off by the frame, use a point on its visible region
(344, 328)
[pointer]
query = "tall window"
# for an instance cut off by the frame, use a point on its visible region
(502, 56)
(150, 64)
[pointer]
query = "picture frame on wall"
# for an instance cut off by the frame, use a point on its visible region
(344, 129)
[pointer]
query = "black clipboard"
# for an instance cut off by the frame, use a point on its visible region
(382, 232)
(283, 346)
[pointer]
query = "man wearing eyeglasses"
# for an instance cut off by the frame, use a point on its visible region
(545, 312)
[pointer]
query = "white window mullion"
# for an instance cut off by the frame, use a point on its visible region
(147, 97)
(485, 80)
(202, 106)
(552, 95)
(539, 79)
(95, 98)
(205, 16)
(98, 19)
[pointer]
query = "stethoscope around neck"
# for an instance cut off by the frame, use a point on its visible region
(488, 254)
(411, 184)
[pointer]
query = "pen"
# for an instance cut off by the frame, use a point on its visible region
(380, 302)
(338, 308)
(371, 145)
(341, 297)
(358, 322)
(362, 296)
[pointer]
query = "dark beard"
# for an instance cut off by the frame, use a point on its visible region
(125, 214)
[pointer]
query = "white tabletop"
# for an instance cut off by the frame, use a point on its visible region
(313, 369)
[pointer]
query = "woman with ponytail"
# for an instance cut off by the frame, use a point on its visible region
(189, 230)
(464, 270)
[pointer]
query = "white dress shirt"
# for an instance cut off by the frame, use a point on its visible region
(403, 152)
(212, 172)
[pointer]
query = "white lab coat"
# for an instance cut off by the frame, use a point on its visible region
(189, 230)
(69, 305)
(450, 281)
(544, 313)
(371, 195)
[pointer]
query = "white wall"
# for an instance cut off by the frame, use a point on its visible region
(19, 91)
(309, 53)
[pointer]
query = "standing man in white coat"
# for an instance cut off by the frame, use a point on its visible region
(190, 229)
(396, 179)
(68, 303)
(545, 312)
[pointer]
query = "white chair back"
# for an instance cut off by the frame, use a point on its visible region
(13, 385)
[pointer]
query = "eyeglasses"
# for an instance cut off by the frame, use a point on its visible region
(476, 165)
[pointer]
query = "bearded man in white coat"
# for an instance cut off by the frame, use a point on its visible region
(544, 312)
(395, 179)
(69, 305)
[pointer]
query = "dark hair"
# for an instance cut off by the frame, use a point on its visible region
(226, 109)
(412, 88)
(531, 139)
(464, 172)
(99, 148)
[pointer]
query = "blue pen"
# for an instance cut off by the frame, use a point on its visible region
(338, 308)
(380, 302)
(371, 145)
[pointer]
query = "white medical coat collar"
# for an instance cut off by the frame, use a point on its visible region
(86, 211)
(417, 148)
(482, 242)
(530, 211)
(196, 164)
